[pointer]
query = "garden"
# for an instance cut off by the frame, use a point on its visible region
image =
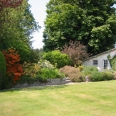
(67, 43)
(61, 56)
(52, 65)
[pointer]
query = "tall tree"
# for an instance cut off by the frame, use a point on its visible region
(16, 29)
(91, 22)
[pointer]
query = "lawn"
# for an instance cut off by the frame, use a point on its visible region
(82, 99)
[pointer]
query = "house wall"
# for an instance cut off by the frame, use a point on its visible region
(100, 57)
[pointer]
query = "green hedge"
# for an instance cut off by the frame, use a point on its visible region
(2, 69)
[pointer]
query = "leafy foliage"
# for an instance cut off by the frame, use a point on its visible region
(31, 69)
(76, 52)
(47, 73)
(95, 75)
(57, 58)
(13, 67)
(91, 22)
(72, 73)
(112, 62)
(30, 73)
(45, 64)
(16, 28)
(89, 69)
(2, 69)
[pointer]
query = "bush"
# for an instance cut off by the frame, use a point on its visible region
(41, 71)
(7, 82)
(31, 72)
(114, 74)
(45, 64)
(72, 73)
(2, 69)
(31, 69)
(47, 73)
(76, 52)
(96, 76)
(87, 70)
(28, 79)
(13, 66)
(57, 58)
(81, 68)
(108, 75)
(101, 76)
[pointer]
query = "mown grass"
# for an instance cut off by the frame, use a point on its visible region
(82, 99)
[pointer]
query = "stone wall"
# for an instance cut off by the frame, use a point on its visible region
(57, 81)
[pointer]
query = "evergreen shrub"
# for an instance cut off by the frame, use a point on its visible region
(57, 58)
(47, 73)
(2, 69)
(97, 76)
(87, 70)
(108, 75)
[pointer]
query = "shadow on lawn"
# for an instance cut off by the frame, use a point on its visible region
(33, 88)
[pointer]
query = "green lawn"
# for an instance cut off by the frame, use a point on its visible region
(82, 99)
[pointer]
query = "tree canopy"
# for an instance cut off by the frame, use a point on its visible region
(16, 28)
(91, 22)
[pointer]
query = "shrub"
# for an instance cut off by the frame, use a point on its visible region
(7, 82)
(81, 68)
(2, 69)
(114, 74)
(96, 76)
(76, 52)
(57, 58)
(27, 79)
(72, 73)
(47, 73)
(45, 64)
(87, 70)
(31, 69)
(108, 75)
(13, 67)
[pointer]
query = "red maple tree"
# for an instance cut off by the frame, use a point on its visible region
(13, 66)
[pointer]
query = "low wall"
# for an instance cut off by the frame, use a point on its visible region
(56, 81)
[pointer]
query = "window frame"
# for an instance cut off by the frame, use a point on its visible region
(95, 62)
(105, 63)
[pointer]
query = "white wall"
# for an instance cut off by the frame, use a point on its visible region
(100, 57)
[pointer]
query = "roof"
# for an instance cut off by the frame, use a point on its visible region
(100, 54)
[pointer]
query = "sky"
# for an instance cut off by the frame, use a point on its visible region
(38, 9)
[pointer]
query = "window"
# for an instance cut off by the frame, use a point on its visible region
(105, 64)
(95, 62)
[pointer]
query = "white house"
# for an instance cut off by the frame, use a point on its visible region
(100, 60)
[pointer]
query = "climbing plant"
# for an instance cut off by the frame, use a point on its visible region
(112, 62)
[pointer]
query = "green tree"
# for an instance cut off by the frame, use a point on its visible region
(17, 28)
(91, 22)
